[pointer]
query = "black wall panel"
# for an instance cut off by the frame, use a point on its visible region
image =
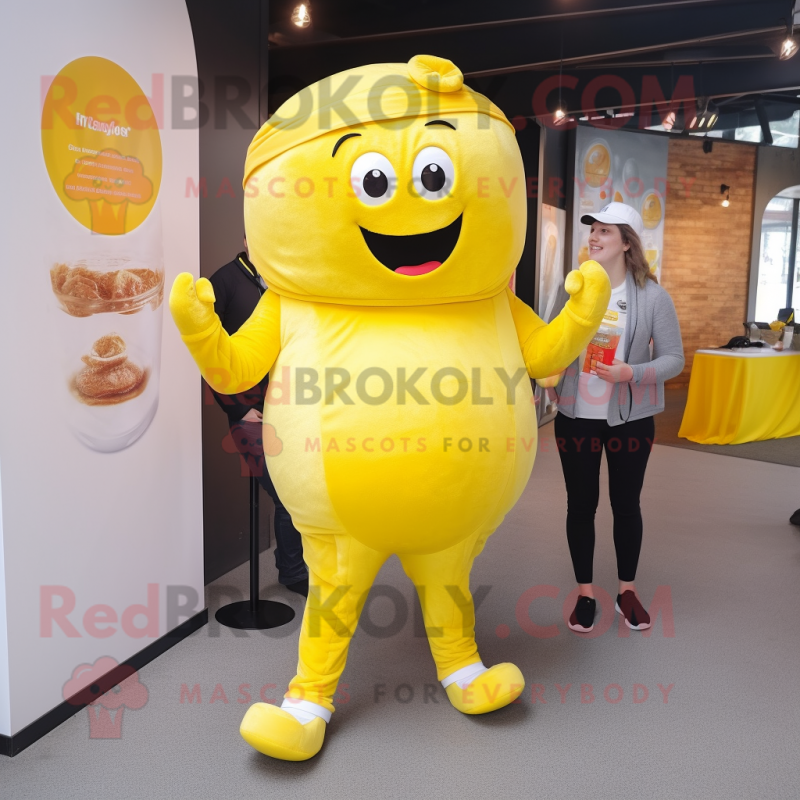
(231, 65)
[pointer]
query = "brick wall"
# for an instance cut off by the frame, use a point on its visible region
(706, 259)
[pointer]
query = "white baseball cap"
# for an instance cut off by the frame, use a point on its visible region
(616, 214)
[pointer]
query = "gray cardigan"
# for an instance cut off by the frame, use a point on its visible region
(651, 314)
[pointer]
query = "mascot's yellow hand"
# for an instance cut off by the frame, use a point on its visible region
(549, 383)
(589, 290)
(192, 305)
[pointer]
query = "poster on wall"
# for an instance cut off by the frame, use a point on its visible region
(623, 167)
(106, 260)
(550, 292)
(551, 262)
(100, 450)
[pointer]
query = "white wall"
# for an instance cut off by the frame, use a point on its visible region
(105, 525)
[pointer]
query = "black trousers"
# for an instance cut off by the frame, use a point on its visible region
(581, 443)
(288, 542)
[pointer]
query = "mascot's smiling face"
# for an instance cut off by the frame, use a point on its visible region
(415, 210)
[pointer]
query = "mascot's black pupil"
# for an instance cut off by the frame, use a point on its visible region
(375, 183)
(433, 177)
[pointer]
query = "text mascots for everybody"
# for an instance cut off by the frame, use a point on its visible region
(385, 208)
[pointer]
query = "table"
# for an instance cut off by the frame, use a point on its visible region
(738, 396)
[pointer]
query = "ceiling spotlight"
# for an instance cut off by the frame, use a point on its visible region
(675, 121)
(301, 16)
(706, 116)
(726, 190)
(561, 116)
(789, 46)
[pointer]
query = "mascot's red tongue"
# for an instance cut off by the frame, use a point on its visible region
(422, 269)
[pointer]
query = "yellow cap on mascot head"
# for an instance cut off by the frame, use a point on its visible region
(390, 184)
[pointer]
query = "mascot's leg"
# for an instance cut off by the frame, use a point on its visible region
(341, 572)
(442, 581)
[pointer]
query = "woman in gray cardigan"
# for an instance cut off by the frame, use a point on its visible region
(606, 401)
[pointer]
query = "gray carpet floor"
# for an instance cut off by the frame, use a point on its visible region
(774, 451)
(717, 541)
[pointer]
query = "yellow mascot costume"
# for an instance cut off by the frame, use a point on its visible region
(385, 208)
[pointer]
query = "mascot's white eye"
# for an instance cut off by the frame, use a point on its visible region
(373, 179)
(434, 173)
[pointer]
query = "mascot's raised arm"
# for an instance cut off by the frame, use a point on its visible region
(385, 208)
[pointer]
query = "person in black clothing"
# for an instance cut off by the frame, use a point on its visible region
(237, 290)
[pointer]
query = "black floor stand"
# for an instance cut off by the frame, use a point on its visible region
(254, 614)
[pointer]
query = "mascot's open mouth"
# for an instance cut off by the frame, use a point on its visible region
(418, 254)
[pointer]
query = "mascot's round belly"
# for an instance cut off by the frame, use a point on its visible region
(409, 428)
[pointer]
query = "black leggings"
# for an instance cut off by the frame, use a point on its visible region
(580, 444)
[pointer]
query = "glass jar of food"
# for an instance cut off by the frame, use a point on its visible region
(108, 327)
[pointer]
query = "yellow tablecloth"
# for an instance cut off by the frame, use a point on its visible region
(742, 397)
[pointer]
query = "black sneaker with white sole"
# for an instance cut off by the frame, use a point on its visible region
(582, 618)
(636, 618)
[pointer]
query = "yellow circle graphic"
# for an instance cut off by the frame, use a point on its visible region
(101, 145)
(596, 165)
(652, 211)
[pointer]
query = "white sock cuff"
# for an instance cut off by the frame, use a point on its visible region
(308, 707)
(465, 675)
